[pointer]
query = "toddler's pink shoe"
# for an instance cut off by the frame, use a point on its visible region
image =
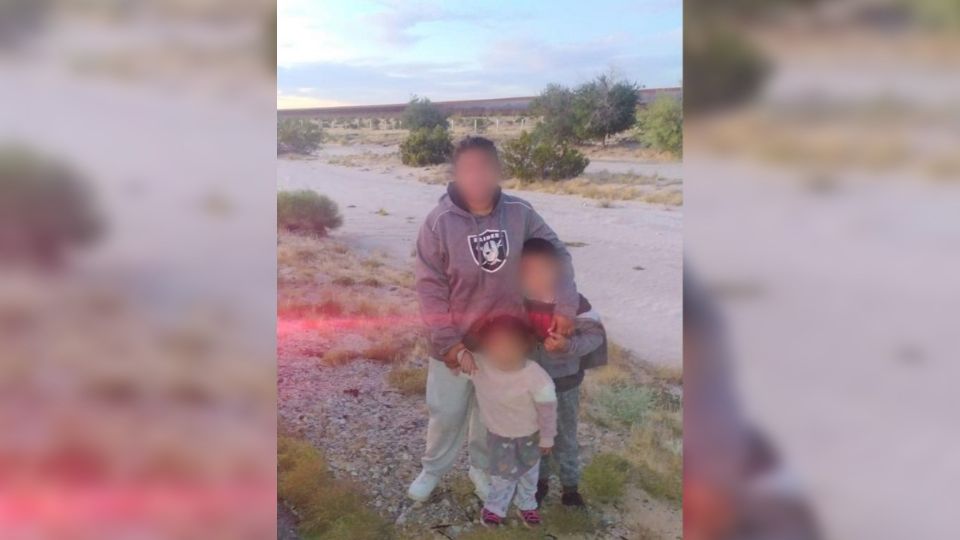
(531, 518)
(489, 519)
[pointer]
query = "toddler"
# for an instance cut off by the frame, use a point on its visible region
(518, 406)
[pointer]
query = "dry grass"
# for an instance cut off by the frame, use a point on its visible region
(320, 277)
(673, 197)
(668, 374)
(338, 356)
(655, 451)
(607, 187)
(326, 507)
(410, 381)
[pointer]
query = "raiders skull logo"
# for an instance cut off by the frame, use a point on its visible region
(489, 249)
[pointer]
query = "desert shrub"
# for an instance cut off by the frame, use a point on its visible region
(409, 381)
(422, 114)
(605, 106)
(306, 211)
(605, 477)
(426, 146)
(328, 508)
(560, 120)
(721, 68)
(298, 135)
(45, 208)
(530, 157)
(660, 125)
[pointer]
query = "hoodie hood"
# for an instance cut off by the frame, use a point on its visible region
(453, 198)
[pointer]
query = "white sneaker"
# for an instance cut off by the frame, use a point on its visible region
(423, 486)
(481, 482)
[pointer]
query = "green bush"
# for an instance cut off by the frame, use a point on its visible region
(560, 120)
(422, 114)
(660, 125)
(604, 107)
(721, 68)
(426, 146)
(605, 477)
(533, 157)
(307, 211)
(45, 208)
(298, 135)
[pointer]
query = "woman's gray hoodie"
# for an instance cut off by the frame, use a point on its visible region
(468, 267)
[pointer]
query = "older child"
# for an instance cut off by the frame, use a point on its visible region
(563, 358)
(518, 406)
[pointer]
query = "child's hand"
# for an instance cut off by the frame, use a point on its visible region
(562, 325)
(555, 343)
(467, 363)
(546, 451)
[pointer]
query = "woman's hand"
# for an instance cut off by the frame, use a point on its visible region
(451, 359)
(467, 363)
(556, 343)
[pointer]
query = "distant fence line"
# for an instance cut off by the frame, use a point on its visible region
(474, 107)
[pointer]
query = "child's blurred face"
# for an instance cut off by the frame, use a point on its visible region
(538, 275)
(505, 350)
(476, 174)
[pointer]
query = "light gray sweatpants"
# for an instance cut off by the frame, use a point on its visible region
(502, 492)
(453, 417)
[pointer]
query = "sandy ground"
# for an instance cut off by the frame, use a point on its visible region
(629, 265)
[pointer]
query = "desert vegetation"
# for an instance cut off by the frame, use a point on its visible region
(47, 209)
(426, 146)
(660, 125)
(429, 141)
(533, 157)
(298, 136)
(326, 507)
(306, 211)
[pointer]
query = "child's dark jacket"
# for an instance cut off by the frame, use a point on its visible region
(587, 347)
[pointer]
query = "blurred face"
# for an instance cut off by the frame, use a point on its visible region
(538, 275)
(505, 350)
(476, 174)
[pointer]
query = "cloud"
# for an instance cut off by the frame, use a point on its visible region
(395, 24)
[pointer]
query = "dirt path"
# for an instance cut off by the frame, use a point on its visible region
(628, 258)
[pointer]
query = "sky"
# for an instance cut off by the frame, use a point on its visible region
(366, 52)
